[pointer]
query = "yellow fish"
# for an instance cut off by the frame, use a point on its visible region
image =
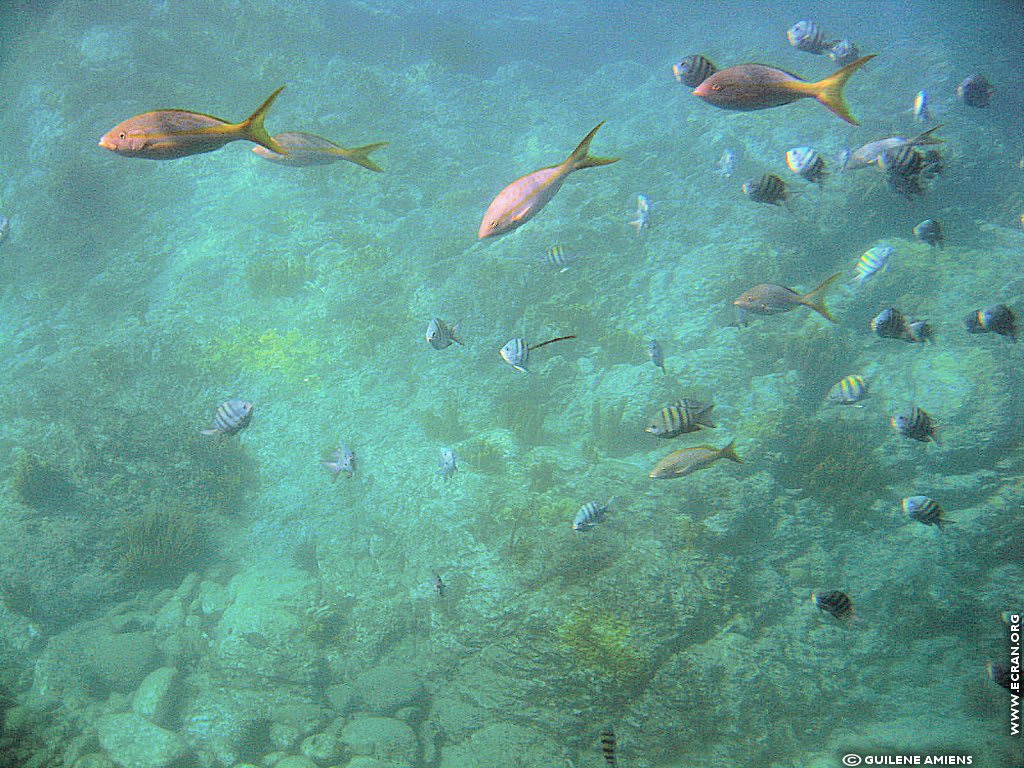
(167, 134)
(305, 149)
(686, 461)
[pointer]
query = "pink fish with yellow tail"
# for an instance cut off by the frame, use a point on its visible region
(520, 201)
(167, 134)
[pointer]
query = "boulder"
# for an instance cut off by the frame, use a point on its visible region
(131, 741)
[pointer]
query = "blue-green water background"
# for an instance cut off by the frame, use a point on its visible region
(130, 310)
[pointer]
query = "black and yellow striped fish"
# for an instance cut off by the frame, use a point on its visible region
(681, 417)
(923, 509)
(608, 746)
(836, 604)
(848, 391)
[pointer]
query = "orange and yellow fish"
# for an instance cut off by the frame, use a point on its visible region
(520, 201)
(747, 87)
(305, 149)
(167, 134)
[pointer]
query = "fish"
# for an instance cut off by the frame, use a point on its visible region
(875, 259)
(771, 299)
(890, 324)
(924, 510)
(231, 417)
(916, 424)
(807, 36)
(748, 87)
(653, 349)
(5, 227)
(871, 153)
(643, 214)
(919, 332)
(681, 417)
(766, 188)
(440, 335)
(806, 163)
(843, 53)
(920, 109)
(849, 390)
(438, 585)
(168, 134)
(693, 70)
(999, 319)
(589, 515)
(448, 465)
(608, 746)
(342, 459)
(686, 461)
(726, 163)
(516, 353)
(930, 233)
(521, 200)
(306, 149)
(1000, 675)
(836, 604)
(975, 91)
(1011, 617)
(559, 257)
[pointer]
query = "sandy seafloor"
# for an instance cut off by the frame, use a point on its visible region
(174, 599)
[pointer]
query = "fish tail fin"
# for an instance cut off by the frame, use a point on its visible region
(252, 127)
(729, 452)
(816, 298)
(704, 417)
(361, 155)
(925, 137)
(456, 329)
(830, 90)
(580, 157)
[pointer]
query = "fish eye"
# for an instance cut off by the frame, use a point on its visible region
(493, 223)
(122, 136)
(716, 86)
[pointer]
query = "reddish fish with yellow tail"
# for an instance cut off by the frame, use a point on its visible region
(520, 201)
(747, 87)
(167, 134)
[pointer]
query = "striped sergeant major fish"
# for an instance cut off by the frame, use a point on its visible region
(916, 424)
(441, 335)
(681, 417)
(653, 349)
(516, 353)
(559, 257)
(590, 514)
(608, 746)
(875, 259)
(836, 604)
(231, 417)
(643, 214)
(848, 391)
(922, 509)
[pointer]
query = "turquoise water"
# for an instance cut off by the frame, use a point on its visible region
(171, 598)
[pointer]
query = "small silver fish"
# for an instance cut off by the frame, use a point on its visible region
(438, 585)
(844, 52)
(590, 514)
(342, 459)
(807, 36)
(930, 233)
(231, 417)
(726, 163)
(654, 352)
(920, 109)
(875, 259)
(5, 227)
(448, 465)
(643, 214)
(516, 353)
(441, 335)
(693, 70)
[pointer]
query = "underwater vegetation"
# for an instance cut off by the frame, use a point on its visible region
(290, 354)
(279, 274)
(442, 423)
(160, 545)
(486, 456)
(599, 641)
(40, 486)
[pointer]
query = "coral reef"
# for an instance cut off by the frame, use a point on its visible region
(290, 353)
(600, 641)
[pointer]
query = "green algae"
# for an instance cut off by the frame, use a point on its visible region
(600, 641)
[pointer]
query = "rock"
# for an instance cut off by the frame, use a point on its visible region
(383, 690)
(94, 760)
(118, 662)
(372, 762)
(340, 697)
(321, 747)
(131, 741)
(490, 747)
(155, 698)
(381, 737)
(295, 761)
